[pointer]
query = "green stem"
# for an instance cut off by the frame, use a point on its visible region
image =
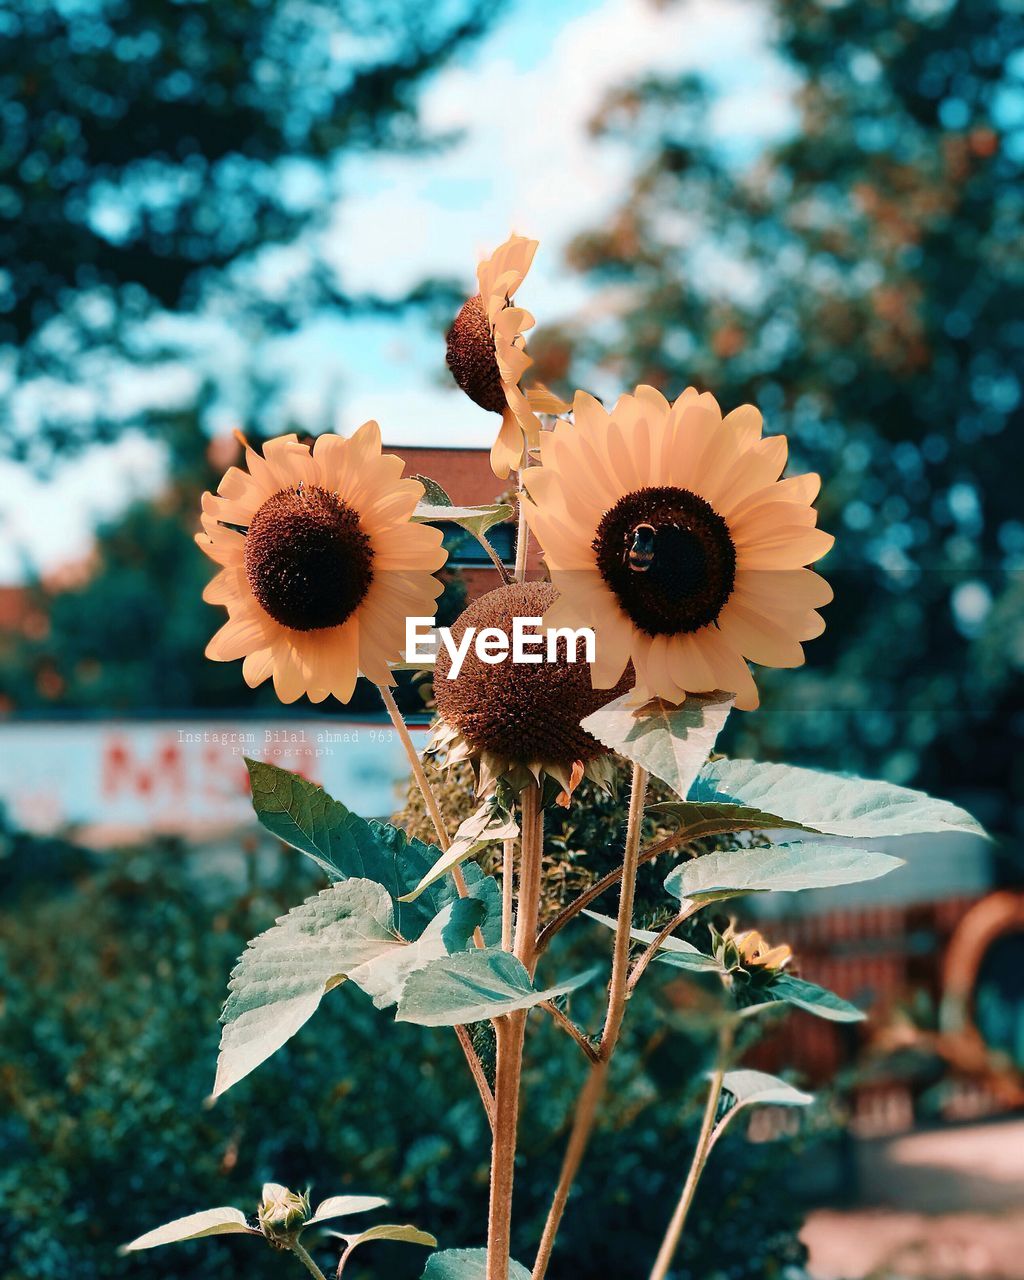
(522, 529)
(495, 559)
(674, 1232)
(307, 1261)
(437, 818)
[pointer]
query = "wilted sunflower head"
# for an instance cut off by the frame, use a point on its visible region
(517, 720)
(487, 351)
(282, 1214)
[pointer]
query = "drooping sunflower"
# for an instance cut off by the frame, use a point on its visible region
(667, 528)
(320, 563)
(487, 353)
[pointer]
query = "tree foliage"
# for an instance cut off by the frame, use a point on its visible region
(152, 148)
(103, 1076)
(861, 281)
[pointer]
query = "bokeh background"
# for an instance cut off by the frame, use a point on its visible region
(262, 214)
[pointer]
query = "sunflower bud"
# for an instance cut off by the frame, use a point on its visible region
(282, 1214)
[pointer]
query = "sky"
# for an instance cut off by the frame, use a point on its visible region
(521, 101)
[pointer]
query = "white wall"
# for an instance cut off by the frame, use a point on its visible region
(119, 779)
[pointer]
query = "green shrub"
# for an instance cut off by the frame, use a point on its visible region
(109, 993)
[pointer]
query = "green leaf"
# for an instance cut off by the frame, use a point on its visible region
(487, 890)
(433, 494)
(781, 867)
(674, 951)
(489, 824)
(829, 802)
(211, 1222)
(670, 742)
(343, 844)
(403, 1232)
(467, 1264)
(696, 820)
(814, 999)
(757, 1088)
(472, 986)
(475, 520)
(284, 973)
(384, 977)
(343, 1206)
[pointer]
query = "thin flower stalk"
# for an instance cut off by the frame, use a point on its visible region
(618, 991)
(522, 529)
(307, 1261)
(508, 863)
(434, 809)
(674, 1232)
(645, 958)
(510, 1032)
(572, 909)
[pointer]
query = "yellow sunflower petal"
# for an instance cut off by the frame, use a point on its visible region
(787, 588)
(500, 275)
(746, 424)
(759, 638)
(242, 632)
(544, 400)
(257, 666)
(788, 547)
(612, 649)
(507, 450)
(800, 490)
(588, 412)
(760, 465)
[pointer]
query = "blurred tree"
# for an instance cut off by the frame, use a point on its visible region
(150, 146)
(861, 281)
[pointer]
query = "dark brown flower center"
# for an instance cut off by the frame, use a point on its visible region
(308, 561)
(668, 557)
(521, 712)
(471, 356)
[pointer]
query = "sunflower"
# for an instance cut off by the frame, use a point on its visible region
(320, 563)
(668, 530)
(517, 721)
(487, 354)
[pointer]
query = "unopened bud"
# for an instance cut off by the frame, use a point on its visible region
(282, 1214)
